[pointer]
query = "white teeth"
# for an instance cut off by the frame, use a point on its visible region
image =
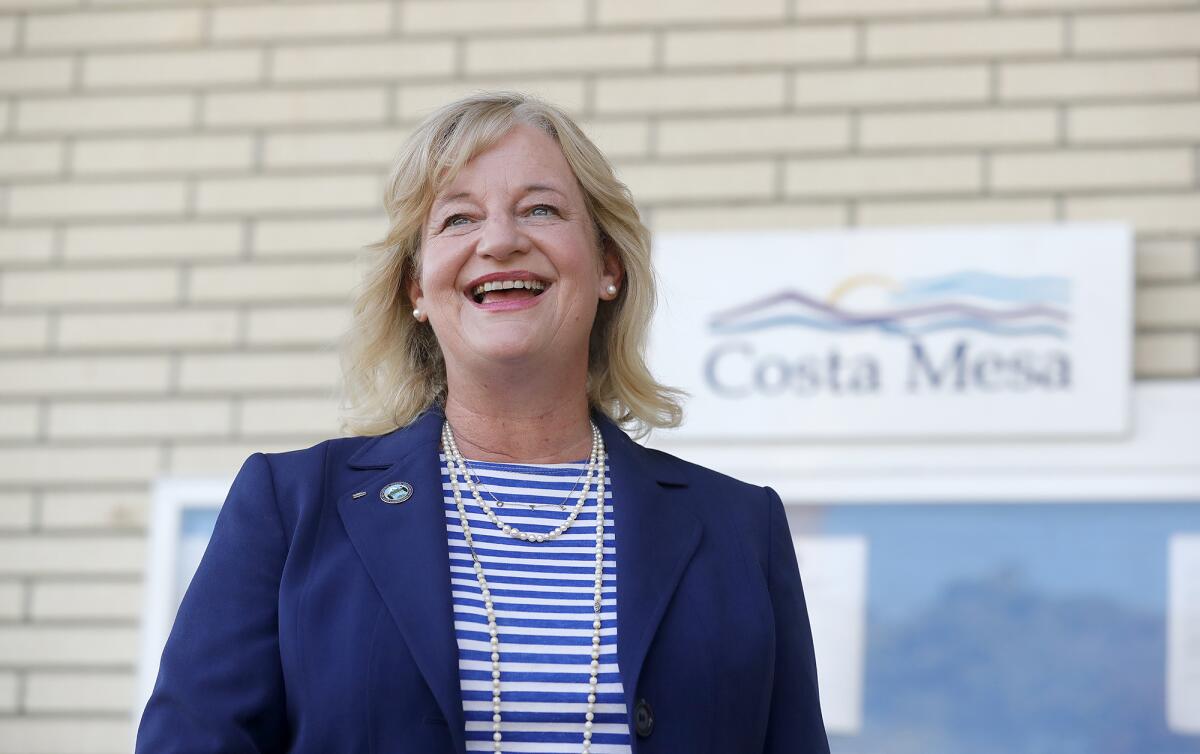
(498, 285)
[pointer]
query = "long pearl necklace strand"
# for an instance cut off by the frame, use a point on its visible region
(453, 458)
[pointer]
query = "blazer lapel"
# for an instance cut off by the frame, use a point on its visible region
(656, 537)
(404, 549)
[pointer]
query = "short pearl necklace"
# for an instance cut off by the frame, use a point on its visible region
(454, 457)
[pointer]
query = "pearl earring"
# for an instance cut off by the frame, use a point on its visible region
(420, 315)
(611, 289)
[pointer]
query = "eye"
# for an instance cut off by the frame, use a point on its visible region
(453, 220)
(543, 210)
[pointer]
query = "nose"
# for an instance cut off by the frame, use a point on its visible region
(500, 237)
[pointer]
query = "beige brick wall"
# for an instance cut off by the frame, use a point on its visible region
(184, 187)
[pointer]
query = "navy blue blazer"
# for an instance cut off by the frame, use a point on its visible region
(320, 620)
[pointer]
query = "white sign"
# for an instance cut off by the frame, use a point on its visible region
(1183, 634)
(834, 572)
(982, 331)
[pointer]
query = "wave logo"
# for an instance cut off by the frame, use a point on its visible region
(965, 300)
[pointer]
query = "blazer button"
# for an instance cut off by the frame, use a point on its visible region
(643, 718)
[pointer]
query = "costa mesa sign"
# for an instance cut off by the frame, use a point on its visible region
(1019, 330)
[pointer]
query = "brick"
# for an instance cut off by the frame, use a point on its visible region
(877, 8)
(12, 600)
(18, 421)
(140, 419)
(290, 416)
(8, 33)
(108, 510)
(37, 4)
(1161, 213)
(984, 38)
(570, 53)
(51, 735)
(1089, 79)
(1168, 305)
(224, 459)
(147, 330)
(76, 600)
(8, 692)
(341, 235)
(659, 182)
(749, 217)
(689, 92)
(173, 69)
(30, 555)
(415, 101)
(18, 75)
(114, 28)
(247, 196)
(1171, 354)
(99, 114)
(269, 23)
(882, 175)
(94, 286)
(1167, 259)
(622, 138)
(956, 211)
(153, 240)
(31, 158)
(104, 375)
(81, 200)
(875, 87)
(1087, 4)
(991, 127)
(765, 134)
(373, 148)
(16, 510)
(1136, 32)
(296, 326)
(44, 465)
(273, 282)
(79, 692)
(24, 332)
(25, 245)
(299, 370)
(58, 646)
(488, 16)
(294, 107)
(172, 154)
(1157, 122)
(359, 62)
(687, 11)
(760, 46)
(1091, 169)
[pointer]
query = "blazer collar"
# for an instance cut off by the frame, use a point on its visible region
(404, 547)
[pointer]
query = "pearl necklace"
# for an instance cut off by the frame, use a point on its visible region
(512, 531)
(453, 457)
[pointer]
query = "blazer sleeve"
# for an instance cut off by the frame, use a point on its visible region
(795, 725)
(220, 682)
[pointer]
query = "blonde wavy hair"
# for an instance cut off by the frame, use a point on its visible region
(392, 366)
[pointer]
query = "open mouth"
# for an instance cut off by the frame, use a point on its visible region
(506, 290)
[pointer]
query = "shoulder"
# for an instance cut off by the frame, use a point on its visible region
(691, 473)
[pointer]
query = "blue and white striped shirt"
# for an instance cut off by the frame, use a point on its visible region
(542, 594)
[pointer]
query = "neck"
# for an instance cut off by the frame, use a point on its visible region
(520, 421)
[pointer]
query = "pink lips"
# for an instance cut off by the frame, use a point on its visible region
(508, 304)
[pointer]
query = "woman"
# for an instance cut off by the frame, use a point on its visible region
(492, 564)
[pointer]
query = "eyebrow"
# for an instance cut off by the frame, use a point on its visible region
(527, 189)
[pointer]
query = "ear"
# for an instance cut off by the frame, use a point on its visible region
(612, 273)
(415, 294)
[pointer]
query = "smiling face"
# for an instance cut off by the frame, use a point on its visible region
(511, 272)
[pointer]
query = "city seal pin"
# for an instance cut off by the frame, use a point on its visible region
(396, 492)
